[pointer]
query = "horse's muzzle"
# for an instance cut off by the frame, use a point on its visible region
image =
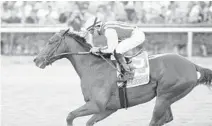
(40, 62)
(35, 60)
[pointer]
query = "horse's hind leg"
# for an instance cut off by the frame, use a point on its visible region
(168, 117)
(160, 113)
(98, 117)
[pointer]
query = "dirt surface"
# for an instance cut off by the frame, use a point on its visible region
(36, 97)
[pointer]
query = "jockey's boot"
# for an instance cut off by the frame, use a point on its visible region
(128, 74)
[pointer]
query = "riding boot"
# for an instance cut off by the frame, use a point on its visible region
(128, 74)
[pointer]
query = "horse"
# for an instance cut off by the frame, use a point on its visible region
(171, 78)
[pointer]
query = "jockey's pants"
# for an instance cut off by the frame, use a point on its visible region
(136, 39)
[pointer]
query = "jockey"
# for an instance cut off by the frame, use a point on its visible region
(121, 37)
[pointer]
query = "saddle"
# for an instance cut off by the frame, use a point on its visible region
(139, 62)
(140, 67)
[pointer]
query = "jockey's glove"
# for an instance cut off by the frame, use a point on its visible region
(99, 50)
(95, 50)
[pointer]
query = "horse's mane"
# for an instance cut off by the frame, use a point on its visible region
(79, 38)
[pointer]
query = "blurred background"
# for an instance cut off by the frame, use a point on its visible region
(44, 97)
(51, 14)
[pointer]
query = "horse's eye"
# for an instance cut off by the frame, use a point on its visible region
(53, 40)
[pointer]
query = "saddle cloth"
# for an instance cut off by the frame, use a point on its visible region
(140, 67)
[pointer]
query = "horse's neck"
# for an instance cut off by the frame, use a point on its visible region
(83, 64)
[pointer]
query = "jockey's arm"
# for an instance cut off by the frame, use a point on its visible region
(112, 40)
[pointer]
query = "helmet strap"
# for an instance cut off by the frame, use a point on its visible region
(92, 26)
(94, 23)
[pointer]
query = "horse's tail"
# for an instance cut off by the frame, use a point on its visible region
(206, 76)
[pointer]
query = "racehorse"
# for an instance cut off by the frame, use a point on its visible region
(171, 78)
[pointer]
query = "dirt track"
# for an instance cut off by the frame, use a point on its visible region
(36, 97)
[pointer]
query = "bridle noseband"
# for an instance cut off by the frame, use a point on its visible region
(62, 39)
(49, 57)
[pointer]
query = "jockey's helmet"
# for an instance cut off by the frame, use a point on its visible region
(93, 23)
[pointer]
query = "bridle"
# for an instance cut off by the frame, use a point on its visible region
(50, 58)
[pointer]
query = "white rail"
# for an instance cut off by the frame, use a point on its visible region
(145, 29)
(155, 29)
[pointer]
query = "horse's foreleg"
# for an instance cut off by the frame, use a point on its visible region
(87, 109)
(160, 111)
(98, 117)
(168, 116)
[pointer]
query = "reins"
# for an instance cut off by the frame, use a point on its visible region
(85, 53)
(72, 53)
(110, 64)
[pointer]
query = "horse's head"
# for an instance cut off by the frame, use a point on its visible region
(51, 52)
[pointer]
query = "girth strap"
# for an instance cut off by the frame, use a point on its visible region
(123, 96)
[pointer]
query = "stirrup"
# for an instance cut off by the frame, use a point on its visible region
(121, 80)
(126, 76)
(129, 75)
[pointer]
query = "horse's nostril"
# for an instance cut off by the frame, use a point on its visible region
(34, 60)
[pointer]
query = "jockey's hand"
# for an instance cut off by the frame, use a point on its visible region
(95, 50)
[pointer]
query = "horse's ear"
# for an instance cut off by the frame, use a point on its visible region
(66, 32)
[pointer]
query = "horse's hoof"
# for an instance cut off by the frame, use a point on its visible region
(169, 120)
(70, 124)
